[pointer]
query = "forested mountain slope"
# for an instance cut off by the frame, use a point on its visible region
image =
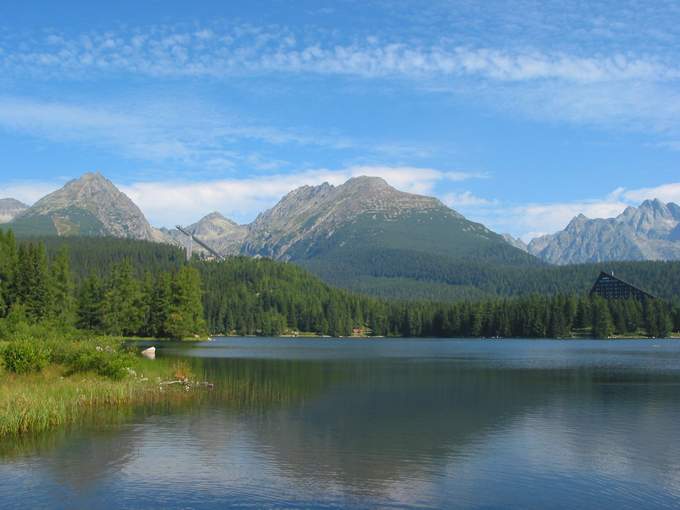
(437, 281)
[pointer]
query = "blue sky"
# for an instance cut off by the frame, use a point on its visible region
(518, 114)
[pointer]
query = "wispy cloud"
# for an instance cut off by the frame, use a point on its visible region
(610, 86)
(157, 131)
(190, 132)
(466, 199)
(210, 52)
(28, 191)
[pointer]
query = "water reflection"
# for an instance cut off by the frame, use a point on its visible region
(434, 424)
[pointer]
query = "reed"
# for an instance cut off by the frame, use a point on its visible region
(54, 397)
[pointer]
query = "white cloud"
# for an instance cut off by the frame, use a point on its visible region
(612, 86)
(533, 220)
(27, 192)
(666, 193)
(208, 52)
(550, 218)
(465, 199)
(167, 203)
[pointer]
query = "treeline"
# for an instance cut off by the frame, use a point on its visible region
(114, 299)
(134, 288)
(404, 274)
(536, 316)
(247, 296)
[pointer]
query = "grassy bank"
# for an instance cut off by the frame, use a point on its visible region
(76, 378)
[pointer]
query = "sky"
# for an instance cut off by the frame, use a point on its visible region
(518, 114)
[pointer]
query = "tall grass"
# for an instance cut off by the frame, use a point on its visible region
(54, 397)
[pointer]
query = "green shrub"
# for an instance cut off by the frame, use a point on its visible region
(105, 362)
(24, 356)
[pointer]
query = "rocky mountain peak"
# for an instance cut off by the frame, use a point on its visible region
(653, 204)
(647, 232)
(367, 183)
(515, 241)
(577, 222)
(213, 216)
(99, 201)
(314, 213)
(10, 208)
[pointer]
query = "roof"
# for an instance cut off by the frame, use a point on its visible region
(632, 289)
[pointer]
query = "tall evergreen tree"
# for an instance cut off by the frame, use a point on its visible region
(90, 304)
(122, 311)
(601, 318)
(186, 309)
(62, 289)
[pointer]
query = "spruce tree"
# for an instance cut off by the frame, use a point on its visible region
(185, 317)
(90, 304)
(122, 313)
(62, 289)
(33, 282)
(601, 318)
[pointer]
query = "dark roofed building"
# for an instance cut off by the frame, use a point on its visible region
(610, 287)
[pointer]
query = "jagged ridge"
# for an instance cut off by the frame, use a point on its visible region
(648, 232)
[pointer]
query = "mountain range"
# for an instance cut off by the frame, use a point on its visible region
(648, 232)
(363, 234)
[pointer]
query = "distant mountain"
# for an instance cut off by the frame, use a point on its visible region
(10, 208)
(221, 234)
(364, 213)
(516, 242)
(366, 235)
(89, 206)
(648, 232)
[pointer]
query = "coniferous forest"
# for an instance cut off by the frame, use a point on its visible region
(133, 288)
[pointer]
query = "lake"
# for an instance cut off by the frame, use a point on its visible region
(407, 423)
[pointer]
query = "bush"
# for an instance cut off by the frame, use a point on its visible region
(105, 362)
(25, 356)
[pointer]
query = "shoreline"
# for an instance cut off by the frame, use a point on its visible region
(58, 396)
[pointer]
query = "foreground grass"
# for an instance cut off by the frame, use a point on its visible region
(38, 402)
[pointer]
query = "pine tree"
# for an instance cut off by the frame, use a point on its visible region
(122, 313)
(62, 289)
(657, 319)
(33, 282)
(601, 319)
(90, 304)
(8, 270)
(186, 311)
(160, 305)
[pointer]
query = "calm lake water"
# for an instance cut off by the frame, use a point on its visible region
(381, 424)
